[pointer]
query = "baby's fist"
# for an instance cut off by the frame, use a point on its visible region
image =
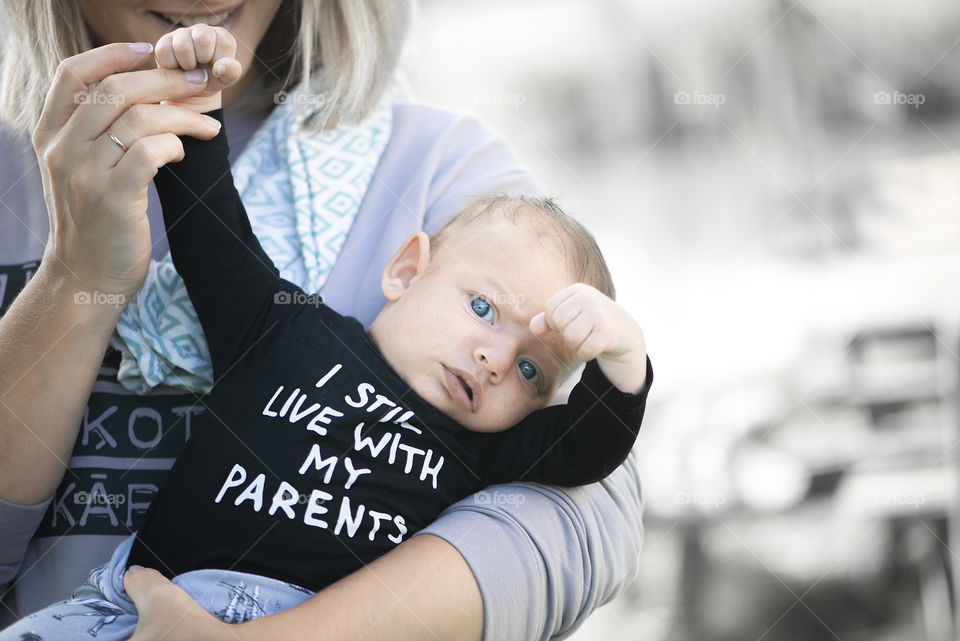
(596, 327)
(213, 49)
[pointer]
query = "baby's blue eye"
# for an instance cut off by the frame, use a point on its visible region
(481, 308)
(528, 370)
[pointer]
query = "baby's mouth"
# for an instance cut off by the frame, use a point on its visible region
(464, 388)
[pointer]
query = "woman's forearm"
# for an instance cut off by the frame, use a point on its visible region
(52, 341)
(423, 590)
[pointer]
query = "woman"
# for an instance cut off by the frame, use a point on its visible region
(529, 567)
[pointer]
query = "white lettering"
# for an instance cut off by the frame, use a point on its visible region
(381, 400)
(254, 492)
(296, 414)
(266, 410)
(315, 506)
(329, 375)
(363, 389)
(431, 471)
(389, 415)
(319, 463)
(322, 417)
(377, 517)
(347, 517)
(289, 402)
(360, 441)
(236, 477)
(285, 497)
(411, 456)
(393, 448)
(354, 473)
(402, 526)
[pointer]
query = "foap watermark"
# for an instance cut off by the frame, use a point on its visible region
(706, 499)
(914, 499)
(699, 98)
(498, 498)
(303, 499)
(297, 298)
(97, 98)
(496, 98)
(899, 98)
(508, 299)
(300, 98)
(98, 498)
(99, 298)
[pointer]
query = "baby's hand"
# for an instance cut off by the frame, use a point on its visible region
(595, 326)
(201, 46)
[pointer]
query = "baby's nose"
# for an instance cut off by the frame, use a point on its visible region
(495, 358)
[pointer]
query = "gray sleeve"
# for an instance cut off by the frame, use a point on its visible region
(17, 525)
(546, 557)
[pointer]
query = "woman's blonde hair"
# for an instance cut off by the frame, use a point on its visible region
(351, 46)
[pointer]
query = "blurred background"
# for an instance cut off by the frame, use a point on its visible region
(776, 185)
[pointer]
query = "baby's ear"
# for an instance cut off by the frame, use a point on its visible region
(411, 259)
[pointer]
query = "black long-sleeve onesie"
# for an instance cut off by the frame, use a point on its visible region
(320, 458)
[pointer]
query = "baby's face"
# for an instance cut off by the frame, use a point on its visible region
(459, 334)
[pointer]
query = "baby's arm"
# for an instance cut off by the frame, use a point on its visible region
(589, 437)
(230, 279)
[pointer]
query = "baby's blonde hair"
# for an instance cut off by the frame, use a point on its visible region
(584, 258)
(356, 44)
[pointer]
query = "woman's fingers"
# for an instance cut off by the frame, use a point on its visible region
(146, 120)
(116, 93)
(76, 73)
(95, 186)
(166, 612)
(139, 164)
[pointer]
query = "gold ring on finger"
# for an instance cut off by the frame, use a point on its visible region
(114, 138)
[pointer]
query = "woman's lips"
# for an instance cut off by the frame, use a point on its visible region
(229, 23)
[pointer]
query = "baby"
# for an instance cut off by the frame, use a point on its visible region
(333, 443)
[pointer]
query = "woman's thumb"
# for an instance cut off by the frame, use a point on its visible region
(166, 612)
(139, 581)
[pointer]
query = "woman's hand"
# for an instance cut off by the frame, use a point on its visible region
(422, 589)
(98, 250)
(167, 612)
(96, 190)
